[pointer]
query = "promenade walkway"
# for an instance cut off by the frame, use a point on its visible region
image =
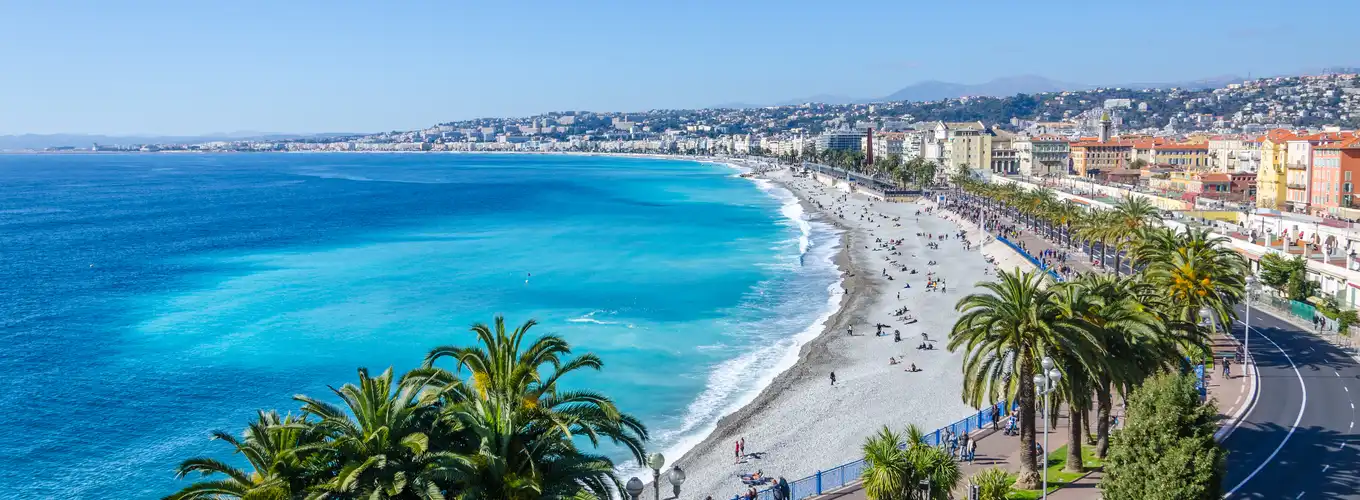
(1233, 394)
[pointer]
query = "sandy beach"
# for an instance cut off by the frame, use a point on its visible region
(801, 422)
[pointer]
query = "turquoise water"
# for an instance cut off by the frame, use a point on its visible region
(148, 299)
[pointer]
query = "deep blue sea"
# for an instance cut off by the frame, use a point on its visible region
(146, 300)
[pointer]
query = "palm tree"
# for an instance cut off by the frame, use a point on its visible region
(1067, 214)
(993, 484)
(887, 474)
(277, 450)
(895, 468)
(1129, 215)
(1003, 332)
(1196, 269)
(525, 425)
(382, 440)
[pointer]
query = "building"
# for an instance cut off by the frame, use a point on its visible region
(955, 144)
(1271, 178)
(1042, 156)
(1182, 156)
(1301, 180)
(912, 144)
(888, 143)
(1228, 154)
(1092, 158)
(1335, 168)
(842, 139)
(1003, 159)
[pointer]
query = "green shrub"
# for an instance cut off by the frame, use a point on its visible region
(1166, 451)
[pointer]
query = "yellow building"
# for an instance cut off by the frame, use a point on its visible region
(1186, 156)
(1272, 180)
(968, 143)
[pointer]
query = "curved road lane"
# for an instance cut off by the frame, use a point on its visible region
(1298, 440)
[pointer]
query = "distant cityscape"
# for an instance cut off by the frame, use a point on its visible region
(1285, 143)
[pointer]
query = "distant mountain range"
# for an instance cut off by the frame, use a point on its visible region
(43, 141)
(933, 90)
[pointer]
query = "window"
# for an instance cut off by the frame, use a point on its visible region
(1348, 176)
(1346, 187)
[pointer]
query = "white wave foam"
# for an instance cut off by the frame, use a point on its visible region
(792, 210)
(590, 318)
(730, 385)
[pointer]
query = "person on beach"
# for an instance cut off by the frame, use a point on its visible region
(742, 445)
(833, 378)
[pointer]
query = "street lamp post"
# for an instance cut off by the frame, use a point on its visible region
(1253, 285)
(1046, 382)
(634, 488)
(656, 462)
(677, 477)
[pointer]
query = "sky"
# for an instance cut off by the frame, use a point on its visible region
(124, 67)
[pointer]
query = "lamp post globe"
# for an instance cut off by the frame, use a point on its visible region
(676, 477)
(1039, 382)
(634, 488)
(1054, 376)
(656, 462)
(1047, 363)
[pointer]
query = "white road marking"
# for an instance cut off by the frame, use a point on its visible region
(1302, 406)
(1325, 467)
(1300, 495)
(1338, 374)
(1348, 389)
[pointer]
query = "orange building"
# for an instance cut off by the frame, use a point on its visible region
(1092, 158)
(1336, 169)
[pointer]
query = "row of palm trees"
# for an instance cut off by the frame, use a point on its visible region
(493, 425)
(891, 168)
(1107, 332)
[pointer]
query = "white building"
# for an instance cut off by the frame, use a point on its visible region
(1234, 155)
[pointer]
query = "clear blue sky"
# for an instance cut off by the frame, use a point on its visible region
(193, 67)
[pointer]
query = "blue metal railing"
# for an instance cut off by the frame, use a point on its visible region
(1037, 263)
(831, 479)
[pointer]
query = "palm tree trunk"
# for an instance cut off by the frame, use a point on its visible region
(1116, 262)
(1028, 478)
(1103, 405)
(1074, 438)
(1102, 252)
(1086, 425)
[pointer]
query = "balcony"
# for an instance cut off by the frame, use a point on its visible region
(1295, 185)
(1296, 166)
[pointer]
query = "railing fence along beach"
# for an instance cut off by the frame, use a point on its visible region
(1032, 260)
(837, 477)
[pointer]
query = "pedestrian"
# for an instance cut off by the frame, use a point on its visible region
(736, 450)
(833, 378)
(972, 450)
(743, 445)
(1227, 368)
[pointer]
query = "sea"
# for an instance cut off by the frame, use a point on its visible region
(148, 299)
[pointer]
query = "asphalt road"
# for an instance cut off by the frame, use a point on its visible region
(1298, 440)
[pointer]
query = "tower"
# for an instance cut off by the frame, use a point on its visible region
(869, 147)
(1105, 127)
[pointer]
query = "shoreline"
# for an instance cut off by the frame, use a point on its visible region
(798, 422)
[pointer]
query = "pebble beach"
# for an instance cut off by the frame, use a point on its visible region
(802, 422)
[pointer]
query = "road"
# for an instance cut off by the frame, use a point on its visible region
(1298, 440)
